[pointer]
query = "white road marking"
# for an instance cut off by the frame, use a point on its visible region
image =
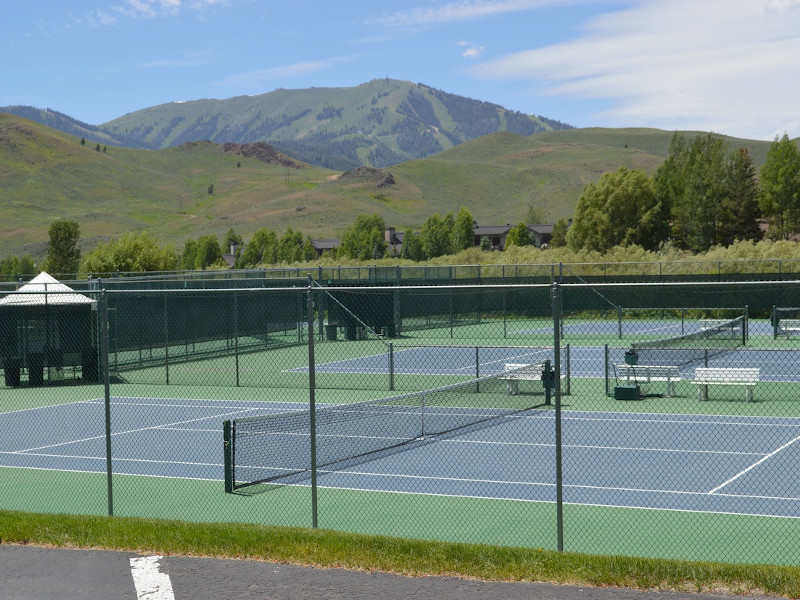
(150, 582)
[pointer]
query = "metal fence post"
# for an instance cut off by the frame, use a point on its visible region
(557, 357)
(312, 406)
(107, 395)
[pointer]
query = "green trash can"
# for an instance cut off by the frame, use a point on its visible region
(331, 331)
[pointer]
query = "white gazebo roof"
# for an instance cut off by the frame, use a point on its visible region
(42, 290)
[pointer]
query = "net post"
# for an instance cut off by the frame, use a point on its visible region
(774, 322)
(746, 325)
(391, 366)
(312, 405)
(236, 335)
(605, 354)
(477, 370)
(619, 321)
(227, 440)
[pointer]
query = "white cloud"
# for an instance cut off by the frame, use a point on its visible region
(470, 49)
(463, 10)
(722, 65)
(163, 8)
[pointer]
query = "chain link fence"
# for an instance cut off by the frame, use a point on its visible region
(656, 420)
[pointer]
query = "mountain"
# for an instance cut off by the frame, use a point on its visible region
(501, 178)
(56, 120)
(380, 123)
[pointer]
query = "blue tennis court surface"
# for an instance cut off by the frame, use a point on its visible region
(721, 464)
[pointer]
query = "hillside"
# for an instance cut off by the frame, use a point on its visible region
(47, 174)
(380, 123)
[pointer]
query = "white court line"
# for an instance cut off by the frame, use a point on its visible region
(753, 466)
(150, 582)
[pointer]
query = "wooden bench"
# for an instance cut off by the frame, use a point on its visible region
(516, 372)
(705, 376)
(637, 374)
(789, 326)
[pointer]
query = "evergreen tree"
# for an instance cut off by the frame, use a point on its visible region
(780, 188)
(740, 209)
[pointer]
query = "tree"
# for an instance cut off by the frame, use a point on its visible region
(261, 249)
(189, 256)
(131, 252)
(780, 188)
(486, 243)
(709, 196)
(740, 208)
(559, 236)
(618, 210)
(696, 214)
(63, 255)
(208, 252)
(412, 246)
(231, 239)
(97, 148)
(534, 214)
(211, 189)
(462, 236)
(308, 252)
(365, 240)
(435, 236)
(290, 246)
(518, 236)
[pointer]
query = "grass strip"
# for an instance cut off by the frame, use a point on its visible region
(328, 549)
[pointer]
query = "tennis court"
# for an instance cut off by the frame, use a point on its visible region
(481, 466)
(701, 463)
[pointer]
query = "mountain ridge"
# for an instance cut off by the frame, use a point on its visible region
(379, 123)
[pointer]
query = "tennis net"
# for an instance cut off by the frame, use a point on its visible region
(714, 337)
(274, 447)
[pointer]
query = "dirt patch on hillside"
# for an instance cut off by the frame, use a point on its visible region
(263, 152)
(380, 177)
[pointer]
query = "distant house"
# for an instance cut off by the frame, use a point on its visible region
(540, 236)
(497, 234)
(320, 246)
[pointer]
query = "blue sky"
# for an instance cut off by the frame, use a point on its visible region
(728, 66)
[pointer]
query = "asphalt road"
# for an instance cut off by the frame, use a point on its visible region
(33, 573)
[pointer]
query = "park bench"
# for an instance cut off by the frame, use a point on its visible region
(642, 374)
(516, 372)
(789, 326)
(705, 376)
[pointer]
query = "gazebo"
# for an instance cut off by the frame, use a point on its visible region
(45, 326)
